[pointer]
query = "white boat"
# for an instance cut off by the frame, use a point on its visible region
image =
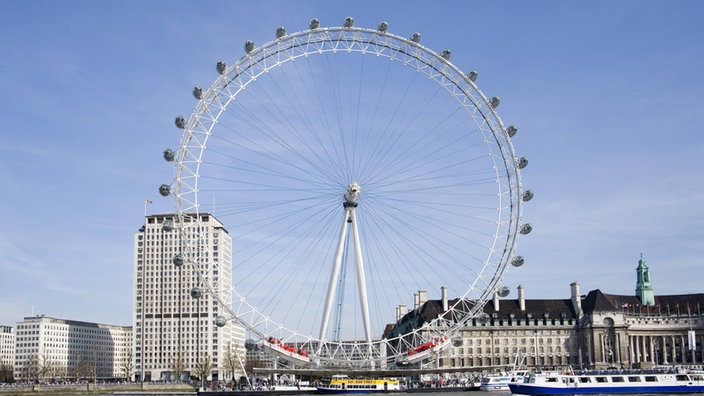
(345, 384)
(500, 382)
(610, 382)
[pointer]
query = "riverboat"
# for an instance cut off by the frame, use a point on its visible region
(344, 384)
(610, 382)
(500, 382)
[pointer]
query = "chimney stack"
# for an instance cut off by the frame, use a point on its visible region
(496, 301)
(521, 298)
(576, 299)
(443, 292)
(422, 297)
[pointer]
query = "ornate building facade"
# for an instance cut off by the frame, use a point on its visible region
(596, 330)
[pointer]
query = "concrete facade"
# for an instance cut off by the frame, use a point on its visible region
(175, 302)
(50, 348)
(7, 346)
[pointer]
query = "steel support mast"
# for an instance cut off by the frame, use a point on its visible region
(351, 196)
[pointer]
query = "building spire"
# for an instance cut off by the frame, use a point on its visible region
(644, 288)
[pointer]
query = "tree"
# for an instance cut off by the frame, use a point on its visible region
(203, 368)
(84, 368)
(179, 366)
(127, 365)
(46, 369)
(233, 362)
(6, 373)
(30, 370)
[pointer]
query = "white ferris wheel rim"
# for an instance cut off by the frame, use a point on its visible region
(436, 67)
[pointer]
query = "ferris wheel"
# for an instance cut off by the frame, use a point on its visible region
(359, 174)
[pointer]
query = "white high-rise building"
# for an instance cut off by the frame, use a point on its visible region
(50, 348)
(175, 306)
(7, 346)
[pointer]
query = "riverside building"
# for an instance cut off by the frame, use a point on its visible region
(174, 311)
(49, 348)
(596, 331)
(7, 347)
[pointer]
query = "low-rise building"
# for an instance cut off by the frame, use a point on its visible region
(51, 348)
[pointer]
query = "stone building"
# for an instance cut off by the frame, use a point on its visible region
(596, 330)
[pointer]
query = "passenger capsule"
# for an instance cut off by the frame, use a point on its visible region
(494, 102)
(221, 66)
(472, 75)
(314, 23)
(512, 130)
(180, 122)
(446, 54)
(165, 190)
(177, 260)
(527, 195)
(220, 321)
(248, 46)
(383, 27)
(196, 293)
(349, 22)
(522, 162)
(526, 229)
(169, 155)
(517, 261)
(198, 92)
(280, 32)
(415, 37)
(503, 291)
(484, 318)
(167, 225)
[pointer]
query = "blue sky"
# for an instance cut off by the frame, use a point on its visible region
(608, 97)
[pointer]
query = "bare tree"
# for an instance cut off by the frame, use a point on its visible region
(30, 370)
(46, 368)
(203, 368)
(6, 373)
(179, 366)
(127, 365)
(233, 363)
(84, 369)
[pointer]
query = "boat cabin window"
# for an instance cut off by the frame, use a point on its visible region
(551, 379)
(601, 379)
(651, 378)
(616, 378)
(682, 377)
(584, 379)
(633, 379)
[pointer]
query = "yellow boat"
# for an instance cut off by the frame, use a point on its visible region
(345, 384)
